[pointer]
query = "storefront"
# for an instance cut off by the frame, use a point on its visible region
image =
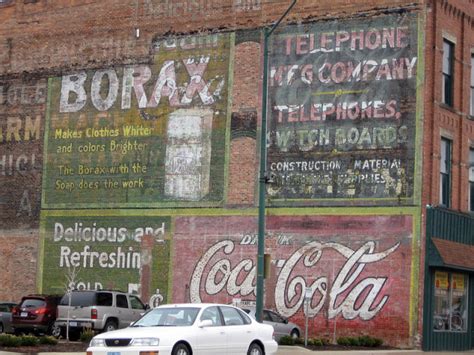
(449, 281)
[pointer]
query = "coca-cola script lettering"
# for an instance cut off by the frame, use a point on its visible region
(215, 272)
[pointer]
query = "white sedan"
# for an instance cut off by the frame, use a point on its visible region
(185, 329)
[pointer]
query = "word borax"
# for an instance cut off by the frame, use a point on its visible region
(105, 86)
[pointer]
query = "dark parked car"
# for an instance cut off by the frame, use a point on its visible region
(6, 317)
(280, 324)
(35, 314)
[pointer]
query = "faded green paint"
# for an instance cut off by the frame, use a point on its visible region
(122, 153)
(417, 225)
(112, 253)
(236, 212)
(229, 113)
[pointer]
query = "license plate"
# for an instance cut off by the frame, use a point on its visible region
(73, 324)
(24, 314)
(113, 353)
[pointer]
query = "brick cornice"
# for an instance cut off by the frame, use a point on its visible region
(451, 9)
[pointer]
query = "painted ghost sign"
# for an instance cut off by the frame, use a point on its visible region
(343, 103)
(22, 110)
(142, 135)
(355, 274)
(95, 252)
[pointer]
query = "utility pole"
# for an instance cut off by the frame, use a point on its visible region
(263, 179)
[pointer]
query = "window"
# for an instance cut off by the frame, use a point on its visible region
(472, 85)
(445, 173)
(471, 179)
(136, 303)
(232, 316)
(78, 299)
(122, 301)
(277, 318)
(448, 70)
(104, 299)
(213, 314)
(32, 303)
(450, 302)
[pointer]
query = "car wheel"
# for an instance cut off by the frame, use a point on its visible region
(110, 325)
(295, 334)
(181, 349)
(1, 328)
(255, 349)
(55, 331)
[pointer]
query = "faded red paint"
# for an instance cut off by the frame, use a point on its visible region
(194, 236)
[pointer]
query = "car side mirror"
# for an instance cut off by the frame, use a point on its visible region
(205, 323)
(147, 306)
(285, 321)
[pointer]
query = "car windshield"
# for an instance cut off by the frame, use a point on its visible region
(168, 316)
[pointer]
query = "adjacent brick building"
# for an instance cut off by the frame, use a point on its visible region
(129, 156)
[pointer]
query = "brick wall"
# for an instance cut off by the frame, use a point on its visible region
(53, 40)
(453, 21)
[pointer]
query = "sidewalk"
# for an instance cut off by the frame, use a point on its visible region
(297, 350)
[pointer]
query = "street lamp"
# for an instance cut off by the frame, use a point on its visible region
(263, 179)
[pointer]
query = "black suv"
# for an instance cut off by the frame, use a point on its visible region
(35, 314)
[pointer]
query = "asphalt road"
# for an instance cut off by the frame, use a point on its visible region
(296, 350)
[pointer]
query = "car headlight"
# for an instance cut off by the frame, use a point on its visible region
(95, 342)
(146, 342)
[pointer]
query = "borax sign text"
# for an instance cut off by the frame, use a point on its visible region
(141, 134)
(343, 103)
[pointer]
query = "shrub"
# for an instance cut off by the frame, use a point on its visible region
(344, 341)
(316, 342)
(377, 342)
(86, 335)
(366, 340)
(369, 341)
(325, 341)
(353, 341)
(287, 340)
(299, 341)
(48, 340)
(28, 340)
(9, 340)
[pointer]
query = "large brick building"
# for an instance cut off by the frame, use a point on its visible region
(129, 140)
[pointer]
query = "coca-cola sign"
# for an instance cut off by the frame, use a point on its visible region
(222, 276)
(357, 267)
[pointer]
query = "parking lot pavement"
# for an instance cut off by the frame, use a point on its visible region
(296, 350)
